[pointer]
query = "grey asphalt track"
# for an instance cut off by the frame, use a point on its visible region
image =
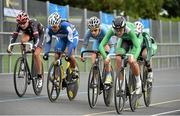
(165, 99)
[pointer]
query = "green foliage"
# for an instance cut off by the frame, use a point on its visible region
(133, 8)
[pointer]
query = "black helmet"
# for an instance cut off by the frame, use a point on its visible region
(119, 22)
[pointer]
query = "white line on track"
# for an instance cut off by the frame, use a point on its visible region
(155, 104)
(165, 112)
(30, 98)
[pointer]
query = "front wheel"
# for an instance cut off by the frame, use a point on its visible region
(20, 76)
(119, 91)
(54, 80)
(93, 86)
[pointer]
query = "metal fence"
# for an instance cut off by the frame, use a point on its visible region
(167, 34)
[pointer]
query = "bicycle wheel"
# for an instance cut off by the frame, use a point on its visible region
(108, 91)
(147, 88)
(133, 101)
(53, 83)
(93, 86)
(119, 94)
(72, 84)
(20, 76)
(37, 90)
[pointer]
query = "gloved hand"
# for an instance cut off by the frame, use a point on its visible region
(67, 58)
(45, 56)
(9, 50)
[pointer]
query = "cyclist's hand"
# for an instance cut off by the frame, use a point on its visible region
(82, 59)
(45, 56)
(67, 58)
(9, 50)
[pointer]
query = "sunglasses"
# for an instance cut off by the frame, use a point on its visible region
(54, 26)
(22, 23)
(119, 30)
(94, 30)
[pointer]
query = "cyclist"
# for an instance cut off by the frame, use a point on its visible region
(127, 42)
(66, 36)
(32, 30)
(97, 31)
(149, 48)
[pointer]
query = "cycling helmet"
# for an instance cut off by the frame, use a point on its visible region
(22, 17)
(119, 22)
(54, 19)
(139, 26)
(93, 22)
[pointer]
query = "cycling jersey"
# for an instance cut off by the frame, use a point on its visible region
(67, 35)
(150, 44)
(130, 35)
(35, 30)
(97, 40)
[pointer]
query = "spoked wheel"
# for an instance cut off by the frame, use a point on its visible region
(35, 79)
(54, 82)
(108, 90)
(119, 92)
(20, 77)
(147, 88)
(72, 84)
(93, 86)
(133, 97)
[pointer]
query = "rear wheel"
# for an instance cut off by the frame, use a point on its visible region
(53, 82)
(108, 91)
(72, 84)
(147, 88)
(119, 92)
(133, 97)
(93, 86)
(20, 77)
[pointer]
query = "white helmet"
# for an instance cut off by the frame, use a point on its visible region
(54, 19)
(139, 26)
(93, 22)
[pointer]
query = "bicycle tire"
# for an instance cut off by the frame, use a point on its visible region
(53, 84)
(17, 76)
(119, 95)
(108, 93)
(72, 84)
(132, 94)
(147, 88)
(37, 90)
(93, 85)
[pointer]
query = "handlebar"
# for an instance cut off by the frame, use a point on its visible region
(13, 44)
(90, 51)
(63, 54)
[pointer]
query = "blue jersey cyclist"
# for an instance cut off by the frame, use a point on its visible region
(96, 32)
(66, 37)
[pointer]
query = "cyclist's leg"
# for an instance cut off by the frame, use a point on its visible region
(94, 47)
(147, 64)
(37, 55)
(108, 68)
(121, 49)
(71, 46)
(60, 45)
(136, 71)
